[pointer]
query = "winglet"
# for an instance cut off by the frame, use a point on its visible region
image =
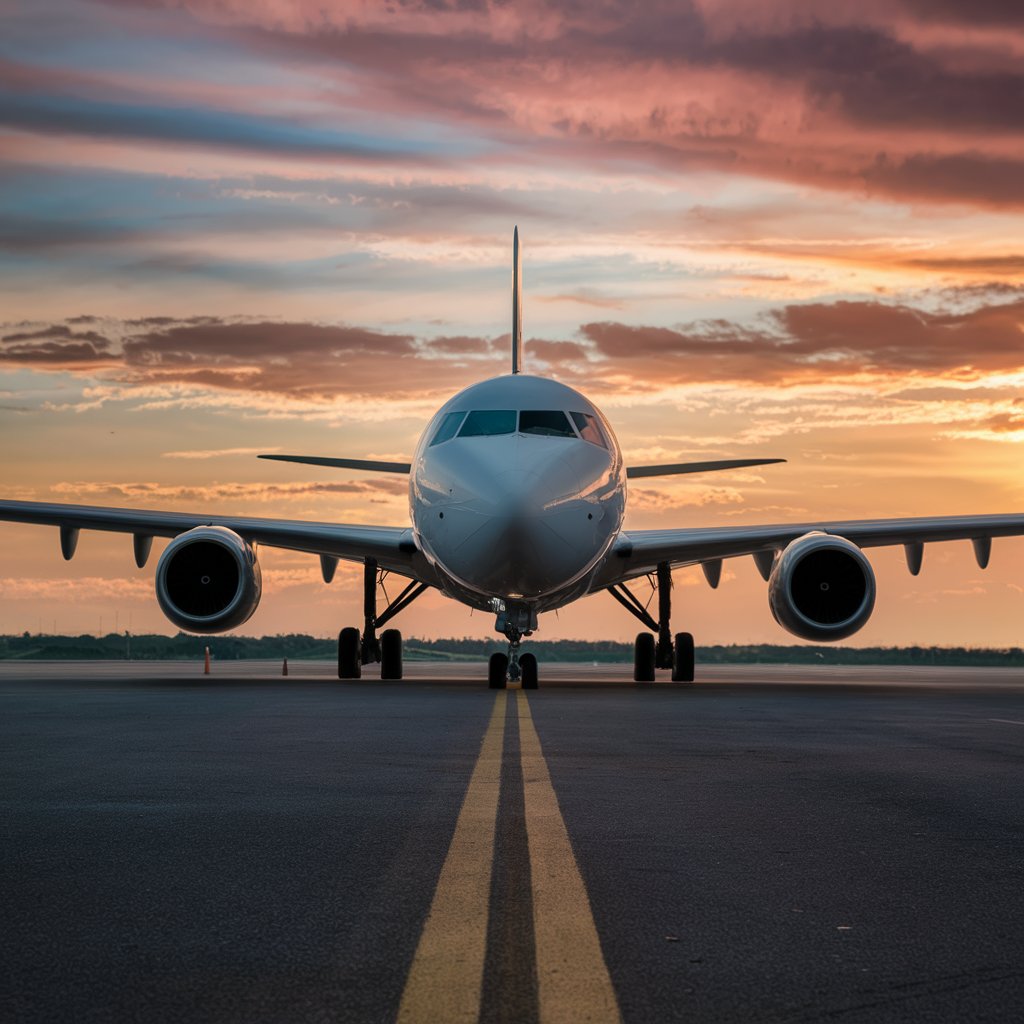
(517, 305)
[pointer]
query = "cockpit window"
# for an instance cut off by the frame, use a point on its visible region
(488, 422)
(549, 424)
(446, 431)
(589, 429)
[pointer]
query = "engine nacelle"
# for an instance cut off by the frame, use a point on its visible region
(821, 588)
(208, 580)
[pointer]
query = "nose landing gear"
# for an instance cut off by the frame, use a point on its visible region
(515, 621)
(513, 668)
(667, 652)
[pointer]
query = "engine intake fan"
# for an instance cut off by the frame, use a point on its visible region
(822, 588)
(208, 580)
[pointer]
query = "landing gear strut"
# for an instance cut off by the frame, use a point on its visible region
(675, 653)
(355, 650)
(515, 621)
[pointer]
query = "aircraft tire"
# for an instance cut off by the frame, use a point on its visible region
(349, 654)
(643, 658)
(682, 658)
(528, 668)
(391, 654)
(497, 671)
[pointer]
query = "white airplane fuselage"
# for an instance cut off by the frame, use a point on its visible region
(516, 493)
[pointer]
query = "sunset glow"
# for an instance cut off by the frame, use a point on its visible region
(749, 230)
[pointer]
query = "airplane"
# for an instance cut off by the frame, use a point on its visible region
(517, 500)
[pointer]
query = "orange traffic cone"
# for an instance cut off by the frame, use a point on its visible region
(206, 662)
(284, 667)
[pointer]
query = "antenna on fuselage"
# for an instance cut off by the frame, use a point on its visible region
(517, 305)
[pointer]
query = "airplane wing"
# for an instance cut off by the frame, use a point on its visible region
(392, 546)
(366, 465)
(638, 552)
(679, 468)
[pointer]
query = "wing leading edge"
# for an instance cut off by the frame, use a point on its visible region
(680, 468)
(368, 465)
(392, 546)
(638, 552)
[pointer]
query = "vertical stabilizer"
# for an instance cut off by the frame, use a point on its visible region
(517, 306)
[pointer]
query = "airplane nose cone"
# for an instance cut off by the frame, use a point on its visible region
(525, 522)
(521, 541)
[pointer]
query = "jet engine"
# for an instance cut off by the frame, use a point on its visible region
(821, 588)
(208, 580)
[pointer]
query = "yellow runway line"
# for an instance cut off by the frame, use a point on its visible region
(445, 979)
(572, 978)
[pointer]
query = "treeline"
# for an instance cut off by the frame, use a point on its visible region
(298, 646)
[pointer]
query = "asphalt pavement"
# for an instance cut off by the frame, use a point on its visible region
(779, 844)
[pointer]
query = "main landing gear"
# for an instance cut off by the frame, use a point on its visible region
(515, 621)
(675, 653)
(356, 649)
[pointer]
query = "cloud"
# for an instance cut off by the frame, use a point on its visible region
(129, 587)
(58, 331)
(1009, 264)
(462, 346)
(215, 453)
(968, 177)
(296, 369)
(297, 359)
(821, 341)
(794, 91)
(584, 297)
(70, 589)
(135, 491)
(721, 86)
(56, 347)
(1002, 426)
(678, 496)
(202, 126)
(1006, 13)
(31, 235)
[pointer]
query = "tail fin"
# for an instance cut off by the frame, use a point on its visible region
(517, 306)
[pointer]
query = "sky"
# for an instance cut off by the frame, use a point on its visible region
(749, 229)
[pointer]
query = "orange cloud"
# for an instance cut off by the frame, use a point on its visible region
(226, 492)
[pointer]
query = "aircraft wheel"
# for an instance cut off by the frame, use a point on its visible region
(350, 664)
(682, 662)
(497, 671)
(528, 668)
(391, 654)
(643, 658)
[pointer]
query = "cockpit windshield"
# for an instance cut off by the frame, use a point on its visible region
(548, 424)
(488, 422)
(589, 429)
(536, 422)
(447, 428)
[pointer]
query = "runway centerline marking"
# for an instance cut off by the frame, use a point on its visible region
(1006, 721)
(572, 978)
(445, 979)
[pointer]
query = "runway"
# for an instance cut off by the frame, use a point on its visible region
(771, 844)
